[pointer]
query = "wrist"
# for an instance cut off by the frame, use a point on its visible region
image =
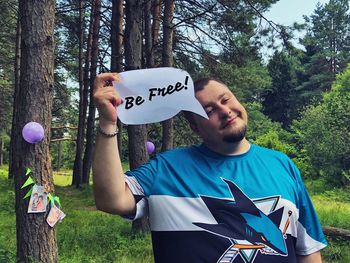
(108, 133)
(107, 126)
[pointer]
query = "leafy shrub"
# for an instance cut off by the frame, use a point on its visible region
(323, 132)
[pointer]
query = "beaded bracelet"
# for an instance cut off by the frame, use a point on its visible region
(108, 135)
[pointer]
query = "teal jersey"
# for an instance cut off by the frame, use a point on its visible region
(207, 207)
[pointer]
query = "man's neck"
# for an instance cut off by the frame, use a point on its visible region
(227, 148)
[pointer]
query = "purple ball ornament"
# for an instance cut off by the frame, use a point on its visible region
(150, 147)
(33, 132)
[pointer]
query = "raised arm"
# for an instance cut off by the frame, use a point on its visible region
(112, 194)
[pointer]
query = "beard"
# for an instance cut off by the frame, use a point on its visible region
(236, 136)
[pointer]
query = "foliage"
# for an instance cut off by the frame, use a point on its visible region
(233, 29)
(67, 151)
(67, 37)
(247, 82)
(282, 101)
(327, 45)
(258, 123)
(272, 140)
(6, 98)
(8, 21)
(265, 132)
(7, 222)
(324, 131)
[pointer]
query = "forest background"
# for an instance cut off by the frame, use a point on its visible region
(298, 99)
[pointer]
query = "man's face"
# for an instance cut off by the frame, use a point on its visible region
(227, 117)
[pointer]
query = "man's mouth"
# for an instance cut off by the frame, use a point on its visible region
(230, 121)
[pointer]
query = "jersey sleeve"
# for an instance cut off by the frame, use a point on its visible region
(140, 182)
(310, 237)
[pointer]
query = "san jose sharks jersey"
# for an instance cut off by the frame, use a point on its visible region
(207, 207)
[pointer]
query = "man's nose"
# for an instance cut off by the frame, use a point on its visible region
(225, 111)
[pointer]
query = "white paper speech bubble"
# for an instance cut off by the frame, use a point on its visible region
(154, 95)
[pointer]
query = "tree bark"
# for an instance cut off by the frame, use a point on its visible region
(59, 155)
(167, 61)
(86, 81)
(336, 232)
(156, 8)
(117, 50)
(87, 161)
(16, 90)
(152, 26)
(149, 56)
(117, 36)
(133, 52)
(77, 169)
(36, 240)
(1, 151)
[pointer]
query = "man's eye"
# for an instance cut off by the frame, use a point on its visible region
(210, 111)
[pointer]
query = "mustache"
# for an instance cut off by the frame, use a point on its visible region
(229, 118)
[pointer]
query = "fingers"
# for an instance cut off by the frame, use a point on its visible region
(105, 79)
(106, 97)
(108, 94)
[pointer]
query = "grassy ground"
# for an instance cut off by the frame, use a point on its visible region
(87, 235)
(333, 208)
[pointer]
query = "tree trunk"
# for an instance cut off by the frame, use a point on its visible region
(59, 155)
(77, 169)
(117, 51)
(152, 27)
(16, 90)
(1, 151)
(36, 240)
(336, 232)
(133, 52)
(86, 83)
(92, 110)
(149, 56)
(167, 59)
(156, 7)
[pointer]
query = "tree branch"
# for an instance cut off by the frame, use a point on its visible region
(195, 16)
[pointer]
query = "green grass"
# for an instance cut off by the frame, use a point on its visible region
(85, 235)
(8, 218)
(88, 235)
(333, 208)
(332, 204)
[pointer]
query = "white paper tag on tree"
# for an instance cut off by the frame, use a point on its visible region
(38, 200)
(55, 215)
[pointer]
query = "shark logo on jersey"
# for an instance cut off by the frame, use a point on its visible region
(245, 225)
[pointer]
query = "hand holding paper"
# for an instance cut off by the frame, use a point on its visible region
(106, 97)
(154, 95)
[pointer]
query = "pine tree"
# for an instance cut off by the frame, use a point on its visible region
(327, 45)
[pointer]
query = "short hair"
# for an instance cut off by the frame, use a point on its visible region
(199, 85)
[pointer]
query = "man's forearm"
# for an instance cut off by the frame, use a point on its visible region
(111, 193)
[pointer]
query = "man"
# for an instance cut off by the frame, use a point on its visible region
(223, 201)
